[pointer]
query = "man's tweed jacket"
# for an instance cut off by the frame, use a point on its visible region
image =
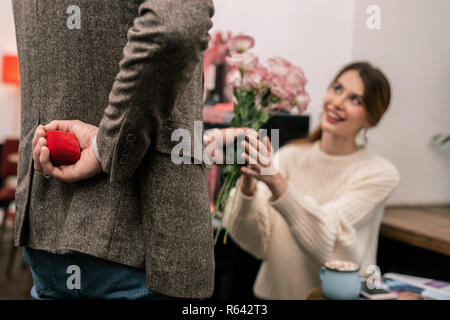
(133, 68)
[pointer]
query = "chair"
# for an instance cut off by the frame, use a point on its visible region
(12, 252)
(7, 193)
(7, 168)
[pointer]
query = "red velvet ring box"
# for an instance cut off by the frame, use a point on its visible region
(64, 148)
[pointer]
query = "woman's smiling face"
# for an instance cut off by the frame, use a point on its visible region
(344, 110)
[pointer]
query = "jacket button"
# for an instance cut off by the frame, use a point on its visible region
(123, 160)
(125, 153)
(129, 145)
(131, 137)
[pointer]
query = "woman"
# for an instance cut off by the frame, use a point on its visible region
(326, 199)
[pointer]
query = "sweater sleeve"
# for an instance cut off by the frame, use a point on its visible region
(249, 220)
(321, 228)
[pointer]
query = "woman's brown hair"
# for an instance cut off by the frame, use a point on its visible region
(377, 96)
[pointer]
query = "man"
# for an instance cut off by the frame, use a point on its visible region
(124, 207)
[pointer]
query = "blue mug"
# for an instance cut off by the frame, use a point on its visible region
(340, 284)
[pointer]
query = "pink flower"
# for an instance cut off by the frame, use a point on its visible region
(253, 78)
(302, 101)
(280, 88)
(234, 78)
(283, 105)
(293, 75)
(296, 78)
(258, 100)
(279, 66)
(241, 43)
(243, 61)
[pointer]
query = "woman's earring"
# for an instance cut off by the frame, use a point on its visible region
(366, 140)
(361, 138)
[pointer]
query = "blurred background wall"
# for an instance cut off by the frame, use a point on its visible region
(321, 36)
(8, 93)
(413, 48)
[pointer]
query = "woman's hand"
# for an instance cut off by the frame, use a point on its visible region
(218, 140)
(258, 157)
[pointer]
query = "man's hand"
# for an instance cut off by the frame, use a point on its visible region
(87, 166)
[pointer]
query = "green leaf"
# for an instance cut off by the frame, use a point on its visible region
(446, 140)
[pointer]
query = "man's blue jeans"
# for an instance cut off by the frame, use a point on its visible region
(99, 278)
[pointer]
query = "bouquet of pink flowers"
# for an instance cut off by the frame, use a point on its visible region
(258, 91)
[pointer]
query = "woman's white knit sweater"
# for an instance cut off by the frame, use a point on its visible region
(332, 209)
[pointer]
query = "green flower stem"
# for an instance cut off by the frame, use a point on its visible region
(229, 182)
(219, 199)
(231, 212)
(222, 196)
(245, 115)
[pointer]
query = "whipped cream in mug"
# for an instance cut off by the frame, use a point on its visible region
(340, 265)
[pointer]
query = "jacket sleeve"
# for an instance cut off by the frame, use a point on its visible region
(164, 47)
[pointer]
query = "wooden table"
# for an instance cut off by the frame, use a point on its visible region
(424, 227)
(316, 294)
